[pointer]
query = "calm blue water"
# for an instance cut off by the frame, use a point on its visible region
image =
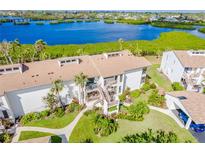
(80, 33)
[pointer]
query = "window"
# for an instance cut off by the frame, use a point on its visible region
(119, 89)
(16, 68)
(121, 78)
(1, 70)
(116, 77)
(8, 69)
(5, 114)
(182, 97)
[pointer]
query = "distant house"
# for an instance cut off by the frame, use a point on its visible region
(24, 85)
(185, 67)
(187, 106)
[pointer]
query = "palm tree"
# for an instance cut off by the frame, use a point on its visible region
(39, 46)
(57, 87)
(121, 41)
(81, 81)
(51, 101)
(5, 48)
(138, 50)
(15, 44)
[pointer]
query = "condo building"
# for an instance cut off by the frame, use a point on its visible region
(22, 86)
(185, 67)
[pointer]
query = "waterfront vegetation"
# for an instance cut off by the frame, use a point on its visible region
(109, 21)
(22, 23)
(202, 30)
(26, 135)
(133, 22)
(166, 41)
(173, 25)
(39, 23)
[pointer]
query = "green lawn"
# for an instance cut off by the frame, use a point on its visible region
(160, 79)
(25, 135)
(154, 59)
(154, 120)
(54, 122)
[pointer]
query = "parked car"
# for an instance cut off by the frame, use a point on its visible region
(199, 128)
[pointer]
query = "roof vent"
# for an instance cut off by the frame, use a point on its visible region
(113, 54)
(68, 60)
(11, 69)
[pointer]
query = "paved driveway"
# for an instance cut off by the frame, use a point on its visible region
(199, 136)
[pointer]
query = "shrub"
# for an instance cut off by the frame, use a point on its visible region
(88, 140)
(104, 126)
(135, 93)
(153, 86)
(122, 97)
(137, 111)
(204, 90)
(88, 112)
(7, 123)
(72, 107)
(56, 139)
(59, 112)
(30, 117)
(5, 138)
(156, 99)
(146, 87)
(149, 136)
(45, 113)
(176, 86)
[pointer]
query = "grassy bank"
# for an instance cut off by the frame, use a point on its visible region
(109, 22)
(173, 25)
(21, 23)
(133, 22)
(202, 30)
(170, 40)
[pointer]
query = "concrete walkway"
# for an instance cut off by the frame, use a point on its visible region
(169, 113)
(66, 131)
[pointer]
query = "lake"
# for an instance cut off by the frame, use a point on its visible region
(82, 32)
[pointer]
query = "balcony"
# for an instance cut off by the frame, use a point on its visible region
(110, 81)
(91, 87)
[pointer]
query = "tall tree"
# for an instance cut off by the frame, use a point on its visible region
(4, 49)
(51, 101)
(81, 81)
(121, 41)
(15, 48)
(57, 87)
(15, 44)
(39, 46)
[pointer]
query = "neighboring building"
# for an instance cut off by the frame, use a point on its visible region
(190, 104)
(24, 85)
(186, 67)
